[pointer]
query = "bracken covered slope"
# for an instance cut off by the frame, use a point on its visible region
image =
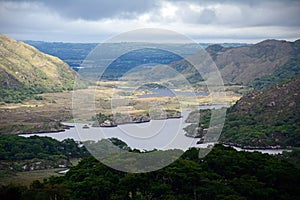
(23, 66)
(242, 64)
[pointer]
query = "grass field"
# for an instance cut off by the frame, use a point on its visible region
(26, 178)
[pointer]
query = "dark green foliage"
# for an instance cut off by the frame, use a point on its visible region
(119, 156)
(119, 143)
(202, 118)
(264, 119)
(293, 157)
(223, 174)
(20, 94)
(37, 191)
(17, 95)
(15, 147)
(10, 192)
(102, 117)
(152, 85)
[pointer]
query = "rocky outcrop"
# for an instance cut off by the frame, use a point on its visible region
(118, 119)
(263, 119)
(195, 131)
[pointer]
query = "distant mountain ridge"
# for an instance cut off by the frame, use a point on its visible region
(259, 65)
(288, 70)
(71, 53)
(245, 64)
(24, 68)
(75, 53)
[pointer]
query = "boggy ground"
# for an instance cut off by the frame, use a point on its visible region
(46, 114)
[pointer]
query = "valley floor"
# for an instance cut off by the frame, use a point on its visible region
(46, 114)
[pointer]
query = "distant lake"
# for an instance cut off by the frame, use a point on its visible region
(215, 106)
(165, 92)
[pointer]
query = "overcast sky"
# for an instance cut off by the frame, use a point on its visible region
(202, 20)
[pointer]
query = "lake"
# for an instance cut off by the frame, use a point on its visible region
(166, 92)
(156, 134)
(268, 151)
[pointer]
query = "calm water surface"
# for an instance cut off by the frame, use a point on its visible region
(156, 134)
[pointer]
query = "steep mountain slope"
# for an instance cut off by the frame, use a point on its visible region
(243, 64)
(287, 71)
(24, 68)
(266, 118)
(260, 65)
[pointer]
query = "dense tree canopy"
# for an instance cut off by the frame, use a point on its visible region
(15, 147)
(223, 174)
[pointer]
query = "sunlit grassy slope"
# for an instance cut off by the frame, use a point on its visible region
(23, 66)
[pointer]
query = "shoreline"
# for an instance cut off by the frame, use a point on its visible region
(63, 128)
(255, 147)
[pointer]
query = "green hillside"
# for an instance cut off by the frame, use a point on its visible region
(24, 71)
(266, 118)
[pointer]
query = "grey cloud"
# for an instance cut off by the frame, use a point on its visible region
(57, 19)
(273, 14)
(254, 12)
(99, 9)
(240, 2)
(206, 16)
(251, 13)
(95, 9)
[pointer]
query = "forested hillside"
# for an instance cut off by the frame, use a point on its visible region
(266, 118)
